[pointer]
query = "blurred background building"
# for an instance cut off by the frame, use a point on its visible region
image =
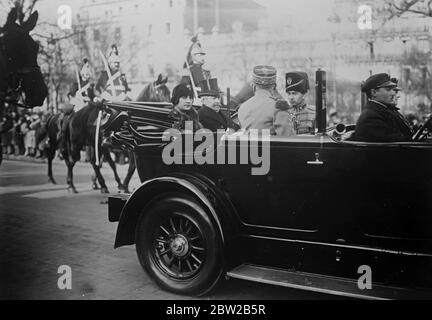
(153, 37)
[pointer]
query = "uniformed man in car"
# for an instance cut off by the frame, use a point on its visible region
(259, 112)
(297, 87)
(380, 120)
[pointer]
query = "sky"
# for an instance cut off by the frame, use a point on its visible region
(48, 8)
(279, 10)
(306, 17)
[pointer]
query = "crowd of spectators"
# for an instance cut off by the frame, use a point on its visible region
(21, 139)
(26, 135)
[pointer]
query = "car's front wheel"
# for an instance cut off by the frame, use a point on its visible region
(178, 245)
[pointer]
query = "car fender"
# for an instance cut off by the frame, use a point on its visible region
(206, 192)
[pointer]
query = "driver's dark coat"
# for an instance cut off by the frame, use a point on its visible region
(381, 123)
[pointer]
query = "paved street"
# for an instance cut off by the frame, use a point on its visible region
(43, 227)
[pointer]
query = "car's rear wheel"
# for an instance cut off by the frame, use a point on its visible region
(178, 245)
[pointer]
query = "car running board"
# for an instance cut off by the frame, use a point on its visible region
(323, 284)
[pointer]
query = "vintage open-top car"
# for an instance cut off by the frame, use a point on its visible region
(329, 215)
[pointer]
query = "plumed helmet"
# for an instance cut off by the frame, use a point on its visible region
(195, 48)
(113, 56)
(86, 72)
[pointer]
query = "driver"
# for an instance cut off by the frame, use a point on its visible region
(380, 120)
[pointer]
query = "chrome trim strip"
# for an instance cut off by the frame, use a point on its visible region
(343, 246)
(300, 287)
(278, 228)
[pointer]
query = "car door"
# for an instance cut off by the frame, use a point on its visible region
(394, 185)
(383, 214)
(292, 195)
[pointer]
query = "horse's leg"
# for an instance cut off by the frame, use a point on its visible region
(131, 171)
(96, 168)
(95, 186)
(71, 187)
(113, 166)
(94, 182)
(50, 153)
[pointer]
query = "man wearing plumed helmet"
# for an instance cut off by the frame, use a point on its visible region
(112, 84)
(195, 61)
(80, 94)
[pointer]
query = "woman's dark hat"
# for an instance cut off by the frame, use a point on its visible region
(181, 90)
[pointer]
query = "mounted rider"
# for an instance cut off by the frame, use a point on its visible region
(194, 67)
(112, 84)
(80, 95)
(83, 92)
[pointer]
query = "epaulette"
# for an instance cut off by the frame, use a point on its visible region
(282, 105)
(310, 108)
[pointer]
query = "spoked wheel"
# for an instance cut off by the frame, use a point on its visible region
(179, 248)
(178, 245)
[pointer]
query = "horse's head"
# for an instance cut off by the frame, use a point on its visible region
(156, 91)
(245, 94)
(163, 94)
(19, 51)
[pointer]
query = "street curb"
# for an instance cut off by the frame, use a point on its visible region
(38, 160)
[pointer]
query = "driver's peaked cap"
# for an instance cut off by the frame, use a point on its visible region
(379, 80)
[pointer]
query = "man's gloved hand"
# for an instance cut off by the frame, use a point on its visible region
(106, 96)
(120, 97)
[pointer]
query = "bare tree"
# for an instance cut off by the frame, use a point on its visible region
(417, 76)
(399, 7)
(57, 56)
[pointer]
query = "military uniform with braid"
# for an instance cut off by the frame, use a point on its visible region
(297, 86)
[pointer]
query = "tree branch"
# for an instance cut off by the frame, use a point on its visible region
(408, 6)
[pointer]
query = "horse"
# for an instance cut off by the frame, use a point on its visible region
(81, 131)
(156, 91)
(20, 75)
